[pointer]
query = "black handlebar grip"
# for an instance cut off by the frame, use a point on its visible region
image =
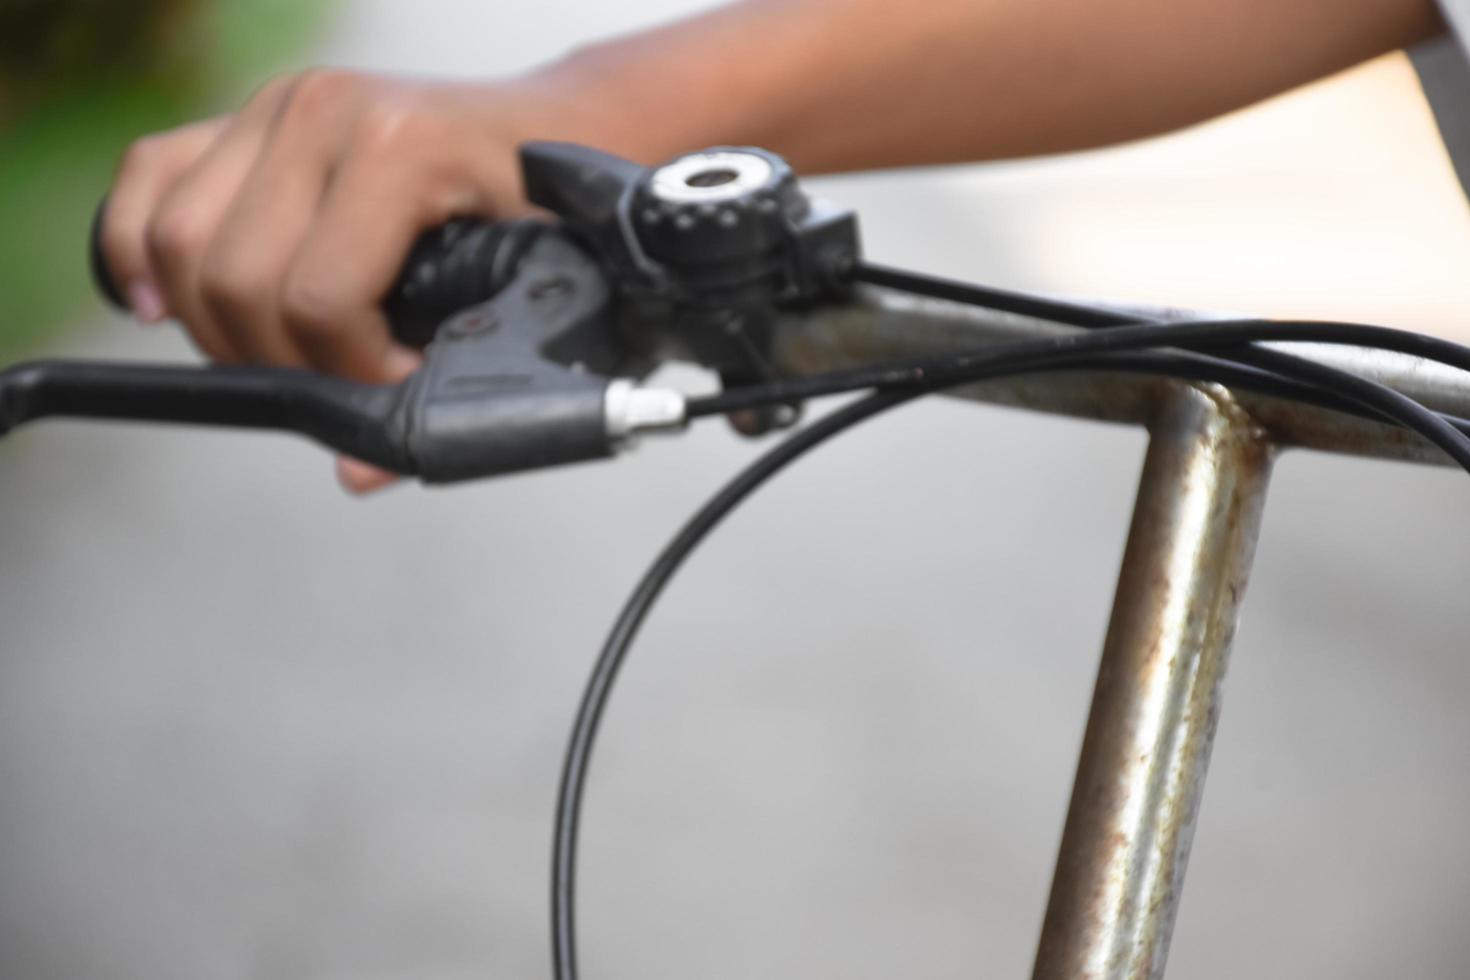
(101, 276)
(460, 263)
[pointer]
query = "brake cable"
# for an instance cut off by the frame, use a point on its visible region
(898, 385)
(1019, 358)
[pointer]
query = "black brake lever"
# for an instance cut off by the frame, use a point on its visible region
(523, 379)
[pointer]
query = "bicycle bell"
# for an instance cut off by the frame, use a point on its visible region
(734, 227)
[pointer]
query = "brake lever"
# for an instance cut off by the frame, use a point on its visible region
(525, 379)
(529, 378)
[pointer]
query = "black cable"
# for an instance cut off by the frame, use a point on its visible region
(1093, 317)
(615, 650)
(1183, 365)
(1203, 335)
(1030, 356)
(1005, 300)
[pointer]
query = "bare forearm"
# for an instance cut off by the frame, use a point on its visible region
(856, 84)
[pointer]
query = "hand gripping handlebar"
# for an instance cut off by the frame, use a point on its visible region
(534, 333)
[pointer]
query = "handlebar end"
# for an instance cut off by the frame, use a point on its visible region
(97, 261)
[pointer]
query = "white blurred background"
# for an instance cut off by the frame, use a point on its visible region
(252, 729)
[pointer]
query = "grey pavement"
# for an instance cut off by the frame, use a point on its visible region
(251, 729)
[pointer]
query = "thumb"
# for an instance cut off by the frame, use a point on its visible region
(355, 476)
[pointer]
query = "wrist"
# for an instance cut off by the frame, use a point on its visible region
(691, 84)
(591, 98)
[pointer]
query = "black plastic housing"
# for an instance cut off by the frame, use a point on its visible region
(518, 382)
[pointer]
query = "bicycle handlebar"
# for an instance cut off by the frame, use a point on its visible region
(527, 362)
(524, 379)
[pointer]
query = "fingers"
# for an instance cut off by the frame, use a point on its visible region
(185, 222)
(247, 259)
(149, 168)
(276, 233)
(361, 478)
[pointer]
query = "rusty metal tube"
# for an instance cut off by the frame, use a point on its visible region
(881, 324)
(1142, 767)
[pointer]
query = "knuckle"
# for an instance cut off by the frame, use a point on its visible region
(444, 196)
(272, 90)
(316, 93)
(231, 288)
(141, 155)
(311, 312)
(175, 234)
(391, 124)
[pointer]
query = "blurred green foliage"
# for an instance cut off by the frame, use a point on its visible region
(79, 79)
(47, 45)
